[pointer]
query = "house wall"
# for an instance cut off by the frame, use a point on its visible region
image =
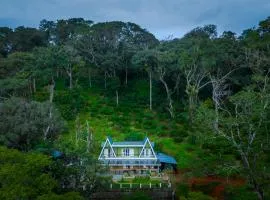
(118, 150)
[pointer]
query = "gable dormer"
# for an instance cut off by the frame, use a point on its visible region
(107, 150)
(147, 149)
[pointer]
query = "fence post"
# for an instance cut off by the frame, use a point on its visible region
(111, 186)
(160, 185)
(140, 185)
(150, 184)
(130, 185)
(120, 185)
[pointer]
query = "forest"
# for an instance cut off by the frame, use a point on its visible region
(203, 98)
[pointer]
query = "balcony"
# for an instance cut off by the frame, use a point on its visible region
(136, 162)
(122, 156)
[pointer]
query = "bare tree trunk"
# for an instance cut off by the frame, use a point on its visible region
(51, 89)
(89, 78)
(69, 73)
(169, 99)
(150, 90)
(126, 71)
(105, 80)
(114, 72)
(194, 77)
(117, 99)
(46, 131)
(34, 85)
(191, 108)
(77, 131)
(70, 79)
(30, 87)
(89, 137)
(251, 175)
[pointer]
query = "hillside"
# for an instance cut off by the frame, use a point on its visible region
(203, 99)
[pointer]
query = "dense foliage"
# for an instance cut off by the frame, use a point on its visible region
(203, 96)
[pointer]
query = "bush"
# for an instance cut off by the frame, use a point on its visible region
(205, 188)
(134, 136)
(136, 196)
(239, 193)
(70, 103)
(41, 96)
(192, 139)
(182, 190)
(198, 196)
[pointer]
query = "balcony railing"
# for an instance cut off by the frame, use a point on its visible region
(111, 155)
(131, 162)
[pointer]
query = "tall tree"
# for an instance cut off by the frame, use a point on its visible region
(25, 123)
(25, 39)
(26, 176)
(167, 67)
(147, 60)
(5, 40)
(197, 57)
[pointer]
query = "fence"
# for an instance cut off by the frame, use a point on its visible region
(139, 185)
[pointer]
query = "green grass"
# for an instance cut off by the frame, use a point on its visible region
(128, 120)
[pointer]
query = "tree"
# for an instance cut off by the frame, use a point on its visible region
(147, 60)
(244, 125)
(16, 74)
(109, 46)
(26, 176)
(25, 123)
(69, 58)
(47, 65)
(25, 39)
(197, 57)
(126, 52)
(5, 40)
(21, 175)
(167, 67)
(84, 174)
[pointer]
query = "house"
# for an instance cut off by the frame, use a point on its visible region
(136, 157)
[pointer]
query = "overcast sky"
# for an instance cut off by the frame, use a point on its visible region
(161, 17)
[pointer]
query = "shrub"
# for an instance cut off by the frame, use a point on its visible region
(136, 196)
(239, 193)
(198, 196)
(182, 190)
(205, 188)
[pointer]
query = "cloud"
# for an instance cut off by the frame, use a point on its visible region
(158, 16)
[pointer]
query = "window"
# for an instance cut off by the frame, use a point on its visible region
(147, 152)
(126, 152)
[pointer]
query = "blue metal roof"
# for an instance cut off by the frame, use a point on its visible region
(110, 139)
(166, 159)
(127, 143)
(56, 154)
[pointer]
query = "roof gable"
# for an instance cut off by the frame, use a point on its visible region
(147, 144)
(106, 144)
(127, 143)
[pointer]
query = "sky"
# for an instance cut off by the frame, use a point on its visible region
(163, 18)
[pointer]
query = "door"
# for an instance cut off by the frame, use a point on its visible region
(131, 152)
(106, 153)
(149, 152)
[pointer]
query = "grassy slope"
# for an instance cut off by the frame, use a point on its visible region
(132, 120)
